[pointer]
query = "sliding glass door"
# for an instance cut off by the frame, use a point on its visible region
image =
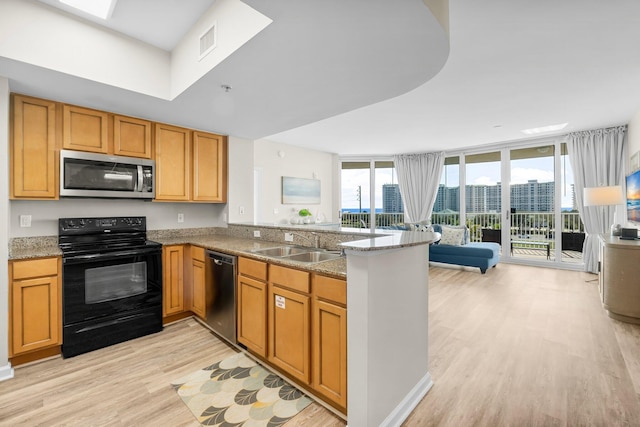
(532, 205)
(532, 216)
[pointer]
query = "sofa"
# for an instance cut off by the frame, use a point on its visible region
(454, 248)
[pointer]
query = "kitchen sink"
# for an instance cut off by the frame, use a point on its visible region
(282, 251)
(298, 253)
(315, 256)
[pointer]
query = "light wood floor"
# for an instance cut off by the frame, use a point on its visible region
(517, 346)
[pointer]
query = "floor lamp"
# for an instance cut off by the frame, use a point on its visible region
(605, 196)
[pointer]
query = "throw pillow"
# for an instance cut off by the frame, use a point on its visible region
(465, 239)
(452, 236)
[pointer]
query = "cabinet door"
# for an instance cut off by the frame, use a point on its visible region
(35, 305)
(330, 352)
(209, 167)
(252, 314)
(34, 169)
(85, 130)
(173, 280)
(198, 279)
(289, 332)
(131, 137)
(173, 161)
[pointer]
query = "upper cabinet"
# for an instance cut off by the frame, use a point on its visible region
(85, 130)
(190, 166)
(173, 163)
(209, 168)
(131, 137)
(33, 149)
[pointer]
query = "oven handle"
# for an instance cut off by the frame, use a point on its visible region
(111, 255)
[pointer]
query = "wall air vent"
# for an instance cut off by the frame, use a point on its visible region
(208, 40)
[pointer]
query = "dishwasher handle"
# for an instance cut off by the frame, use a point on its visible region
(220, 259)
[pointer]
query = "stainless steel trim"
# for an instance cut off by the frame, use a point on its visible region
(140, 180)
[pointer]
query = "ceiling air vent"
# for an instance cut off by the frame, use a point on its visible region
(208, 40)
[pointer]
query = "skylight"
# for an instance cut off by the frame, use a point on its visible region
(100, 8)
(543, 129)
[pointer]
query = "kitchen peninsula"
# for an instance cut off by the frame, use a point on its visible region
(386, 294)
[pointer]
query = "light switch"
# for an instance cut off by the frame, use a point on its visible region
(180, 217)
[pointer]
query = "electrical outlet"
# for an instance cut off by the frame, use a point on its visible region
(180, 217)
(256, 233)
(241, 209)
(275, 211)
(25, 220)
(288, 237)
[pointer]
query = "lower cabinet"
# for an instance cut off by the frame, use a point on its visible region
(297, 321)
(329, 344)
(35, 305)
(290, 330)
(198, 280)
(252, 305)
(172, 280)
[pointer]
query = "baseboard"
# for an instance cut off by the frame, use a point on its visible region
(408, 404)
(6, 372)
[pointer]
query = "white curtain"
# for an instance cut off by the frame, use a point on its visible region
(418, 179)
(597, 159)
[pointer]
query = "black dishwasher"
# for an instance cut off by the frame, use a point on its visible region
(221, 295)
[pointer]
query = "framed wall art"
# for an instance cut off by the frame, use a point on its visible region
(300, 191)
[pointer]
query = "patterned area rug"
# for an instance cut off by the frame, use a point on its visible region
(238, 392)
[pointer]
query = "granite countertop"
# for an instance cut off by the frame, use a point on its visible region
(243, 247)
(47, 246)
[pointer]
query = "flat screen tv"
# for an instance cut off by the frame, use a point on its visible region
(633, 197)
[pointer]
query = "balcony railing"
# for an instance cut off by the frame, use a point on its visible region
(534, 226)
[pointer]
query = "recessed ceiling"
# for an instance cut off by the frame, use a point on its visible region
(368, 78)
(160, 23)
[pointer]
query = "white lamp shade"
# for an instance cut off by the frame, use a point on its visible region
(603, 196)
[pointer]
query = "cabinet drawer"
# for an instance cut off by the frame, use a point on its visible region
(252, 268)
(35, 268)
(197, 253)
(330, 289)
(290, 278)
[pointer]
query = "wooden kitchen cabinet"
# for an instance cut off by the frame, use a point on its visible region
(84, 129)
(289, 309)
(173, 163)
(33, 149)
(190, 166)
(330, 339)
(209, 168)
(198, 279)
(252, 305)
(35, 305)
(131, 137)
(172, 280)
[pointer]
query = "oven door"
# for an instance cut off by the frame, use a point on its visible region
(97, 286)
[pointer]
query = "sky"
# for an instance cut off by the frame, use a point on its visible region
(522, 171)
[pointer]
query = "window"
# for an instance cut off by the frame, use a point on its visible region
(366, 183)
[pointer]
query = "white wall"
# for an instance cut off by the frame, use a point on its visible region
(5, 368)
(296, 162)
(186, 68)
(240, 180)
(160, 216)
(33, 34)
(633, 134)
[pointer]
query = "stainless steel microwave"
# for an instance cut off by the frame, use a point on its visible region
(101, 175)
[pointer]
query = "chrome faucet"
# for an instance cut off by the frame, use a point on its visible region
(316, 239)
